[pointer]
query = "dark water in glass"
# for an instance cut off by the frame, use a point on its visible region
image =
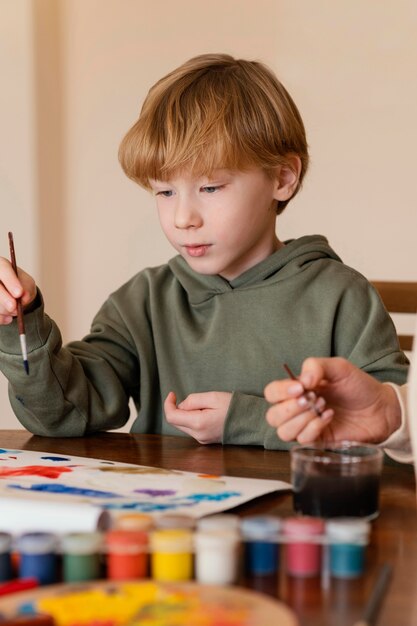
(336, 496)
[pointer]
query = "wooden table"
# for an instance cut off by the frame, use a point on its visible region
(393, 538)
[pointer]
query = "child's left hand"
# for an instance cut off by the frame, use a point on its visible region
(200, 415)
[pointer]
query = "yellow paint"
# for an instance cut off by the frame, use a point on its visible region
(172, 558)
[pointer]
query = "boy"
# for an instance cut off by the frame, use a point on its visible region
(222, 146)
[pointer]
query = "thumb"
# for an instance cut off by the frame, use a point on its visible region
(315, 370)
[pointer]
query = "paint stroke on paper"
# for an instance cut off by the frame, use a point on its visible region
(41, 491)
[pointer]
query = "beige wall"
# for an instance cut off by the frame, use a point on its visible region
(76, 72)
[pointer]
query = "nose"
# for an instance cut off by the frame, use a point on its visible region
(187, 214)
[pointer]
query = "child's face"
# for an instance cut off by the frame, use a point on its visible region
(222, 225)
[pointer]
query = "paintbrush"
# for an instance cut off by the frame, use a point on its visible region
(371, 611)
(20, 320)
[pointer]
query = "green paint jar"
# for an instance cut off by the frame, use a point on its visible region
(81, 556)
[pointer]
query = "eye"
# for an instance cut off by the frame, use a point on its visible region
(166, 193)
(211, 188)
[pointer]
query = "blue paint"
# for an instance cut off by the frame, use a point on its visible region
(260, 534)
(67, 490)
(55, 458)
(38, 557)
(211, 497)
(5, 557)
(6, 451)
(142, 507)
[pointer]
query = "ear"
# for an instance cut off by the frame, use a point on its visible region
(287, 177)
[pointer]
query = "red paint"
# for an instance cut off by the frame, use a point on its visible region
(46, 471)
(303, 557)
(126, 554)
(14, 586)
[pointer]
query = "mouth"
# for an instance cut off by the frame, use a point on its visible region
(196, 250)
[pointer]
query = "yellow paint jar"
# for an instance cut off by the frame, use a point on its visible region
(172, 554)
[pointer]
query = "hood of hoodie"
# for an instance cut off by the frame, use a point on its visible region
(280, 265)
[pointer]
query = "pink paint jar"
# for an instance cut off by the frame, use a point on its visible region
(303, 549)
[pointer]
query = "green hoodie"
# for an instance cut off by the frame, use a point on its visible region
(171, 329)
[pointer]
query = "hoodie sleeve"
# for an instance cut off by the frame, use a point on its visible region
(73, 390)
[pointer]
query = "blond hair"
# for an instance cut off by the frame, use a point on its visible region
(214, 112)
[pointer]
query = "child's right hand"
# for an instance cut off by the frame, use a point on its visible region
(12, 287)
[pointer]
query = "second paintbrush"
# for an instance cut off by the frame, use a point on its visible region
(20, 319)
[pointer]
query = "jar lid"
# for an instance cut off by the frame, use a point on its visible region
(219, 522)
(303, 525)
(260, 526)
(174, 520)
(37, 543)
(348, 529)
(81, 543)
(171, 540)
(133, 521)
(216, 539)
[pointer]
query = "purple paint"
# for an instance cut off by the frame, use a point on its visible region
(156, 492)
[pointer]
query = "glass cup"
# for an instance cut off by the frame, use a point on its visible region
(336, 480)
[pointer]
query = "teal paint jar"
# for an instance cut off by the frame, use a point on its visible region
(347, 540)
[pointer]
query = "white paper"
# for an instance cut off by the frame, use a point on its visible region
(63, 493)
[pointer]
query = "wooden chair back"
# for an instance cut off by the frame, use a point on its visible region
(399, 297)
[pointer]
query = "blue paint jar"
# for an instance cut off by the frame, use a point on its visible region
(6, 572)
(38, 556)
(260, 534)
(347, 539)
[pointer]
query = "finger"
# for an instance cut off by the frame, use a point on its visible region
(7, 302)
(9, 279)
(291, 429)
(5, 320)
(196, 401)
(315, 427)
(315, 370)
(280, 413)
(279, 390)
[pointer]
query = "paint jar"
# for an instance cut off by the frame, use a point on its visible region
(127, 554)
(38, 558)
(172, 558)
(336, 480)
(133, 521)
(303, 545)
(81, 556)
(260, 534)
(216, 556)
(175, 520)
(347, 540)
(6, 570)
(222, 521)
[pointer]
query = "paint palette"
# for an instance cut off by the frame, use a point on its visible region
(153, 604)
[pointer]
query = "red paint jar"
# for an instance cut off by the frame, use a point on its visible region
(303, 545)
(127, 554)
